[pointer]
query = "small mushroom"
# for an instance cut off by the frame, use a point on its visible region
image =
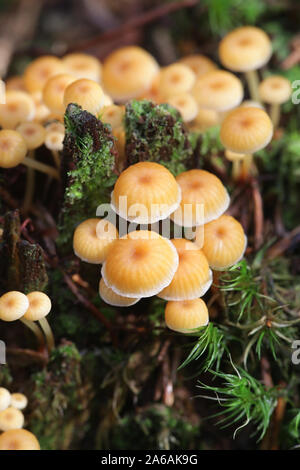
(113, 115)
(186, 316)
(186, 104)
(19, 106)
(224, 242)
(204, 198)
(86, 93)
(53, 92)
(18, 439)
(11, 418)
(246, 130)
(33, 133)
(236, 159)
(275, 90)
(40, 70)
(218, 90)
(140, 264)
(13, 305)
(176, 79)
(128, 72)
(205, 119)
(83, 66)
(200, 64)
(193, 277)
(246, 49)
(19, 401)
(39, 308)
(5, 398)
(111, 298)
(145, 193)
(92, 240)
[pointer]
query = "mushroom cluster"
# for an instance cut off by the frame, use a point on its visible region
(144, 263)
(12, 434)
(30, 308)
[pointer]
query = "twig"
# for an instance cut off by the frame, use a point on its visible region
(282, 245)
(258, 215)
(136, 22)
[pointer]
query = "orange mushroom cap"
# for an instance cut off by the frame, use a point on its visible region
(111, 298)
(18, 439)
(186, 315)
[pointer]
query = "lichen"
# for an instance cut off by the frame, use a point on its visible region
(156, 133)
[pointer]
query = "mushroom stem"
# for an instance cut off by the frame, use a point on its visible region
(49, 170)
(275, 114)
(236, 169)
(36, 331)
(56, 158)
(253, 83)
(48, 333)
(30, 184)
(246, 166)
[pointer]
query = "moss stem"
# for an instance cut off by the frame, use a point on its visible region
(253, 82)
(48, 333)
(49, 170)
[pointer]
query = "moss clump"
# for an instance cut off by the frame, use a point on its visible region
(88, 162)
(156, 133)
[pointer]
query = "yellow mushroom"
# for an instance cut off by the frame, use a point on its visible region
(111, 298)
(13, 305)
(18, 439)
(187, 315)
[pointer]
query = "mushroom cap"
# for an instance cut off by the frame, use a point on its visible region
(224, 242)
(55, 126)
(111, 298)
(153, 93)
(186, 104)
(92, 239)
(42, 112)
(245, 48)
(113, 115)
(40, 70)
(206, 118)
(19, 401)
(128, 72)
(18, 439)
(246, 130)
(218, 90)
(5, 398)
(53, 92)
(13, 305)
(193, 277)
(140, 264)
(39, 306)
(252, 104)
(33, 133)
(175, 79)
(16, 82)
(204, 198)
(11, 418)
(200, 64)
(233, 156)
(83, 66)
(275, 90)
(54, 140)
(19, 106)
(186, 315)
(151, 193)
(87, 93)
(13, 148)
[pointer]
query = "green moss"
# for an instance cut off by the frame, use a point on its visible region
(156, 133)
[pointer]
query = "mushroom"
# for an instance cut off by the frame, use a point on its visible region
(55, 126)
(176, 79)
(11, 418)
(186, 104)
(205, 119)
(204, 198)
(5, 398)
(246, 130)
(83, 66)
(33, 133)
(92, 240)
(246, 49)
(19, 106)
(193, 277)
(200, 64)
(16, 82)
(218, 90)
(54, 142)
(18, 439)
(19, 401)
(128, 72)
(111, 298)
(13, 306)
(224, 242)
(145, 193)
(39, 308)
(86, 93)
(53, 92)
(186, 316)
(113, 115)
(140, 264)
(275, 90)
(13, 150)
(40, 70)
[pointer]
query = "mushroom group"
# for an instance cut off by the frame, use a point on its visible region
(144, 263)
(12, 434)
